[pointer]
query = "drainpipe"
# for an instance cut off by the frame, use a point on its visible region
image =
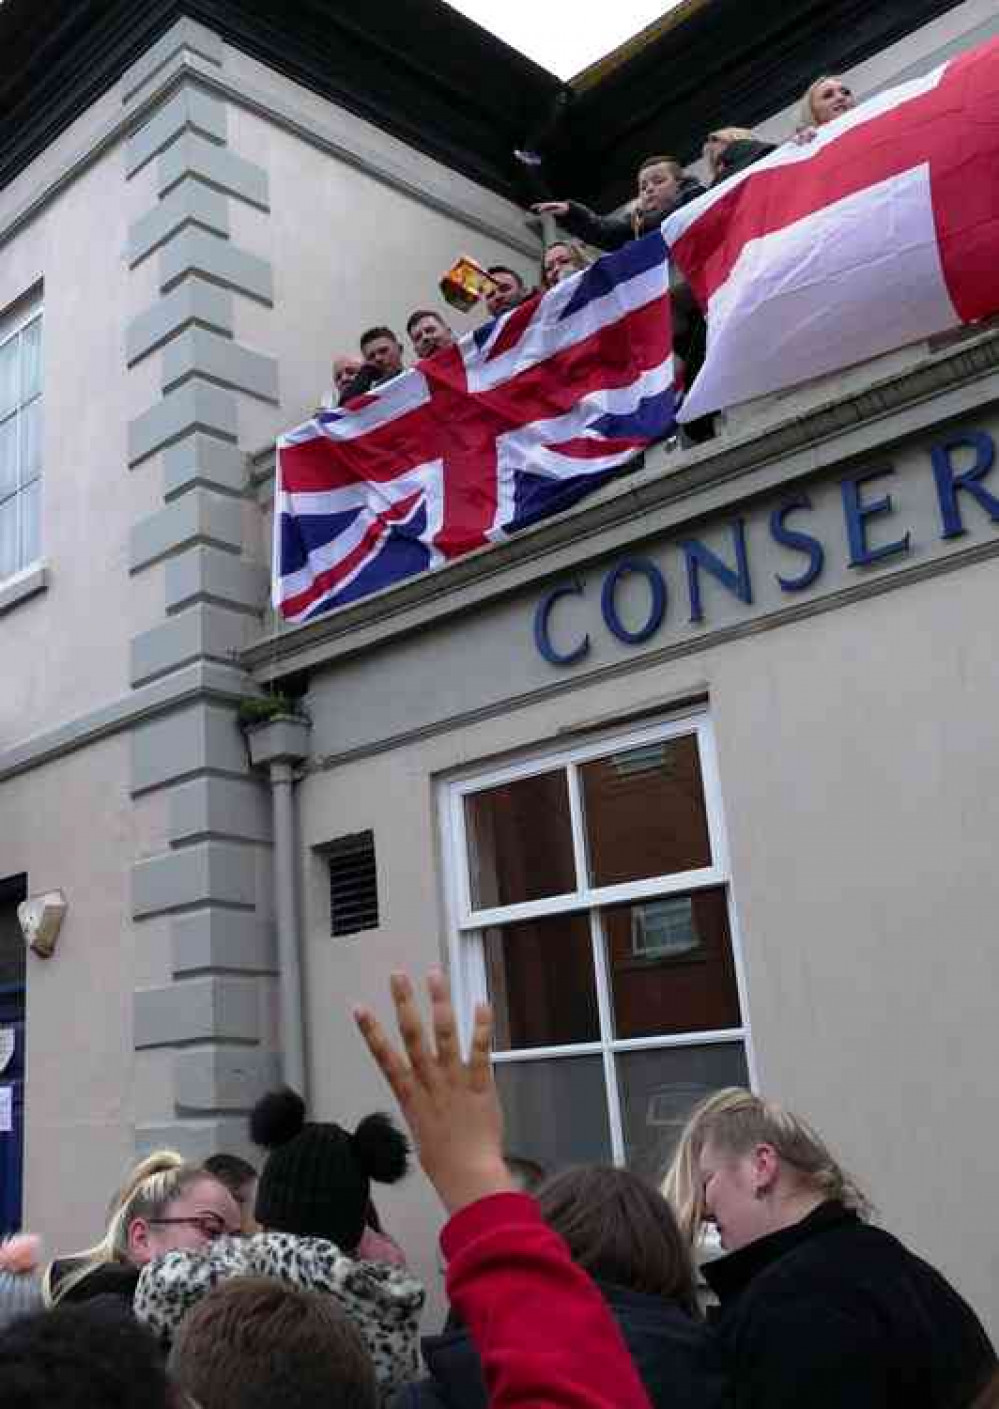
(280, 745)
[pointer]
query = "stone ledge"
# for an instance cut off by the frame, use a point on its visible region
(195, 406)
(193, 301)
(24, 584)
(222, 873)
(229, 940)
(190, 109)
(197, 1010)
(189, 203)
(193, 740)
(198, 517)
(203, 631)
(186, 36)
(223, 1078)
(216, 166)
(193, 251)
(197, 352)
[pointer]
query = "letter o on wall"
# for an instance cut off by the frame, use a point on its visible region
(657, 600)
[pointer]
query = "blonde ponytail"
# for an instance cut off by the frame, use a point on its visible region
(152, 1184)
(735, 1120)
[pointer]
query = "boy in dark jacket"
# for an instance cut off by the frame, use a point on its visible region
(663, 186)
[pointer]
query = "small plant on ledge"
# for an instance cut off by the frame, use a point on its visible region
(258, 709)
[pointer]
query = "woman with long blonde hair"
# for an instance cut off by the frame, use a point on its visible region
(164, 1204)
(818, 1307)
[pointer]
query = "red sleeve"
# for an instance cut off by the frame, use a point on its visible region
(543, 1331)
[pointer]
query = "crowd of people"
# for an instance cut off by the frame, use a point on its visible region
(218, 1288)
(663, 185)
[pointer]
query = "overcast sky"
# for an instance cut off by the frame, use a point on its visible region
(564, 36)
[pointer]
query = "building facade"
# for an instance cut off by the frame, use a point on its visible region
(693, 781)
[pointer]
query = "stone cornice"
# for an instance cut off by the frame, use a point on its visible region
(189, 67)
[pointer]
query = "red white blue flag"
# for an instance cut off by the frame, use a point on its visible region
(517, 421)
(882, 231)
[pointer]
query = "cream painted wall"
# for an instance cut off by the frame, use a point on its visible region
(860, 808)
(70, 826)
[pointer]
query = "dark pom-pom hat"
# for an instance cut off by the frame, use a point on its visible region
(317, 1177)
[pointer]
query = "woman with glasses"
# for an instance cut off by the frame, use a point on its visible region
(164, 1204)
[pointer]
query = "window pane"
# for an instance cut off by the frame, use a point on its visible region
(520, 841)
(541, 982)
(645, 812)
(31, 440)
(8, 456)
(31, 543)
(555, 1110)
(660, 1087)
(8, 537)
(671, 967)
(8, 376)
(31, 360)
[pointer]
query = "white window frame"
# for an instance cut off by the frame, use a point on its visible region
(466, 924)
(12, 324)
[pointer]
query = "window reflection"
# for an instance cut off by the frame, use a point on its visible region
(659, 1089)
(520, 841)
(645, 814)
(555, 1110)
(541, 982)
(671, 966)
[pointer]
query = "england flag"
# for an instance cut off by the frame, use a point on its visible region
(881, 231)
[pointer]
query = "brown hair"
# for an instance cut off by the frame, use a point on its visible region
(621, 1230)
(256, 1343)
(674, 166)
(421, 313)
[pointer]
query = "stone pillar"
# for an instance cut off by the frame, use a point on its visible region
(201, 909)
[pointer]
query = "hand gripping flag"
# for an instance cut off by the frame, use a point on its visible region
(881, 231)
(516, 421)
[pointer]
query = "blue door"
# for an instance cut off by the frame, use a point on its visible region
(11, 1107)
(13, 890)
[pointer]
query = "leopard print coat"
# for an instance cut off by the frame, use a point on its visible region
(383, 1302)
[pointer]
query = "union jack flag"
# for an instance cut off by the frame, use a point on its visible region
(517, 421)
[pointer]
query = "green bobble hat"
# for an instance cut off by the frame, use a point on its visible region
(316, 1181)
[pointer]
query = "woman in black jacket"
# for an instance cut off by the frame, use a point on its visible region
(818, 1307)
(623, 1233)
(663, 186)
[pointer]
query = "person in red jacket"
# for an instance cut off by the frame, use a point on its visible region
(545, 1335)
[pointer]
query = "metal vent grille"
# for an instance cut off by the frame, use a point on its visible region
(353, 884)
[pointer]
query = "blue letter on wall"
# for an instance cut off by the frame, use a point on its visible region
(948, 483)
(735, 580)
(857, 514)
(800, 542)
(541, 617)
(657, 600)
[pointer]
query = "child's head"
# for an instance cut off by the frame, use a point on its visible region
(658, 183)
(76, 1357)
(256, 1343)
(317, 1178)
(620, 1230)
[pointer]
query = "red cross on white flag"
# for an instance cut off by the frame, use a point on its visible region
(881, 231)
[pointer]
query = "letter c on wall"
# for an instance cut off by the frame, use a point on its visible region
(657, 602)
(542, 615)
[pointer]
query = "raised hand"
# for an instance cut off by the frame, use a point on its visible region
(450, 1105)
